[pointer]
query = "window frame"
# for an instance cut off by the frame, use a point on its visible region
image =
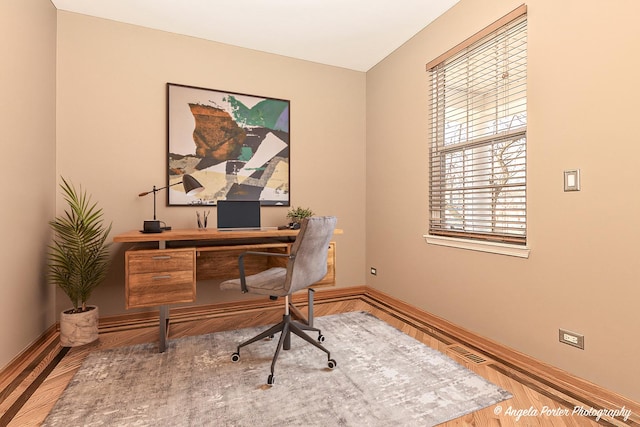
(479, 153)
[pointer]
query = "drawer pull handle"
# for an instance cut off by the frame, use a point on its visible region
(166, 276)
(162, 257)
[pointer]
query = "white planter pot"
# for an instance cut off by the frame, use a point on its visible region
(79, 328)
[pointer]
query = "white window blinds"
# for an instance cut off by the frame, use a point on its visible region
(478, 150)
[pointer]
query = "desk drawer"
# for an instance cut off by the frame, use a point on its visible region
(149, 261)
(152, 289)
(159, 277)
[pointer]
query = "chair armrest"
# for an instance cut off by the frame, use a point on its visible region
(243, 280)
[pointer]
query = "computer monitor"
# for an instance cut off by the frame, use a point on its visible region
(238, 214)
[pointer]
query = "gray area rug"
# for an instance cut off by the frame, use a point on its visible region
(383, 378)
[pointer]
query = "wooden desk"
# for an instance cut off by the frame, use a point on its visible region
(213, 235)
(162, 268)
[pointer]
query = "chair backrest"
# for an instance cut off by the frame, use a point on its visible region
(309, 262)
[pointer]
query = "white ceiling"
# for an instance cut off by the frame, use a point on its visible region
(353, 34)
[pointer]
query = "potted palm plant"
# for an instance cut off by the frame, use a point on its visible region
(78, 262)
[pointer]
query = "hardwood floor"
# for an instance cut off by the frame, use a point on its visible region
(31, 388)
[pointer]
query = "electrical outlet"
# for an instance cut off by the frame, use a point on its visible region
(571, 338)
(374, 271)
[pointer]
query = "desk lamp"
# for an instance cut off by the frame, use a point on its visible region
(191, 187)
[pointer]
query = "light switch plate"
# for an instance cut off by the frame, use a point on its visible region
(572, 180)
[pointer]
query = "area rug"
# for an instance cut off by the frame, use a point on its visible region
(383, 378)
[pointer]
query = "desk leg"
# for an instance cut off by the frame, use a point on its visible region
(310, 293)
(164, 327)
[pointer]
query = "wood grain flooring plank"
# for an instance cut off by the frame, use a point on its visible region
(527, 393)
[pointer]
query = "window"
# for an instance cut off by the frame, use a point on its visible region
(478, 151)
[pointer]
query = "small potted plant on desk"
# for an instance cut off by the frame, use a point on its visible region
(78, 262)
(296, 215)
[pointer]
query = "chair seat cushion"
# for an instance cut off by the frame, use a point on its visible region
(268, 282)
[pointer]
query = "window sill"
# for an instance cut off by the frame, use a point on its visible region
(491, 247)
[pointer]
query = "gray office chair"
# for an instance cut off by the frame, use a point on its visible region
(306, 264)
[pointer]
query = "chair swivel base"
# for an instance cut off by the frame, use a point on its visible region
(286, 327)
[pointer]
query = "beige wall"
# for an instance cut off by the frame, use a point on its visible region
(583, 272)
(27, 141)
(112, 131)
(581, 275)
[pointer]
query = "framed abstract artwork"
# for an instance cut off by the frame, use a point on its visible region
(235, 145)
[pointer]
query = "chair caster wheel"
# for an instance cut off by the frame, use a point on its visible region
(332, 364)
(271, 379)
(320, 338)
(235, 357)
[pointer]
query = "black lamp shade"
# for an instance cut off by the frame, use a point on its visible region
(191, 185)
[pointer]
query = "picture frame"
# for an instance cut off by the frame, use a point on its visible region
(236, 145)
